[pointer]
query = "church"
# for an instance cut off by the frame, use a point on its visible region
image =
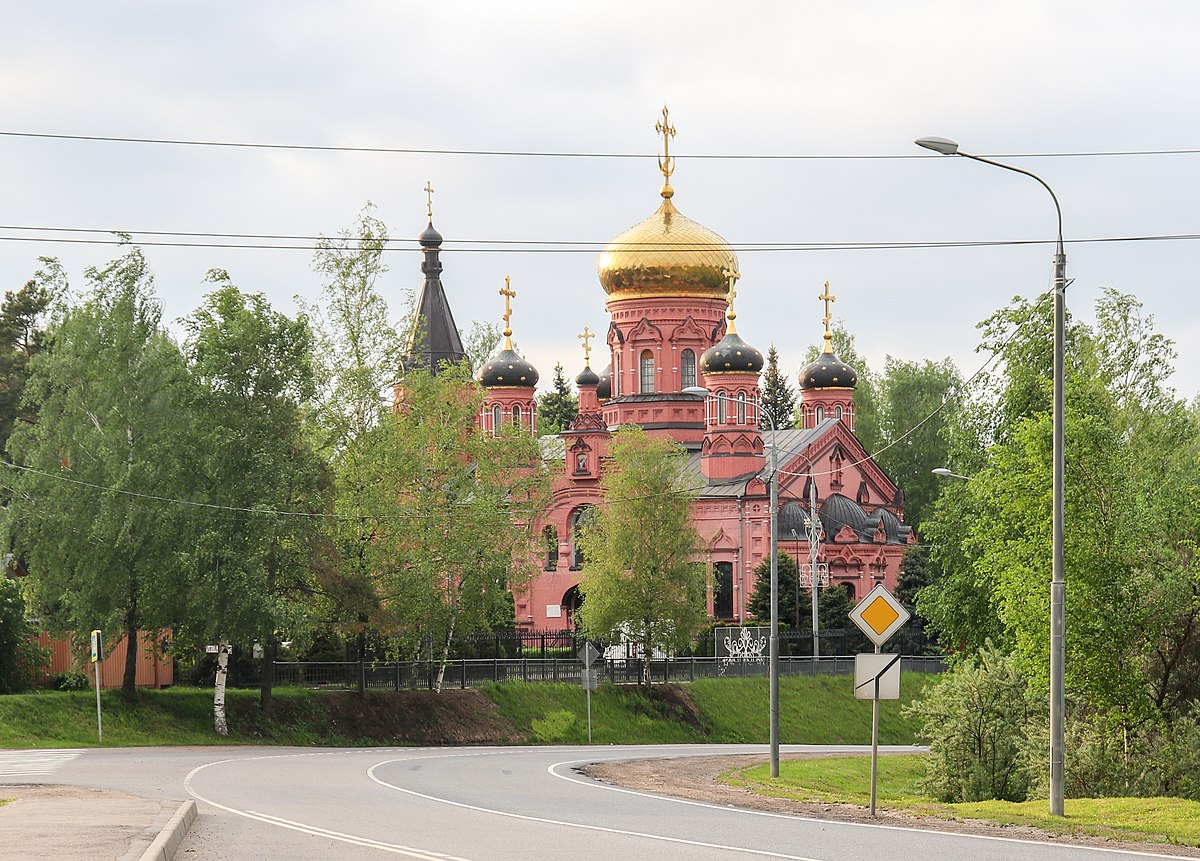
(676, 365)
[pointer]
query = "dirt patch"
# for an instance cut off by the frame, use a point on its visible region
(409, 717)
(678, 703)
(695, 778)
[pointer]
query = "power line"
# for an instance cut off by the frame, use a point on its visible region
(562, 154)
(533, 246)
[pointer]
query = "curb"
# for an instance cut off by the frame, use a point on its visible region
(172, 834)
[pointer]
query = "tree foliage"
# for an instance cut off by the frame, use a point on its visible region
(20, 657)
(641, 580)
(23, 318)
(778, 396)
(558, 407)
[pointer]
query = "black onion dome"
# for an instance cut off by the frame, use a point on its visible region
(587, 377)
(430, 238)
(508, 368)
(828, 372)
(731, 355)
(604, 386)
(792, 518)
(838, 511)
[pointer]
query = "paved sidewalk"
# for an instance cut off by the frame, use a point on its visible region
(71, 823)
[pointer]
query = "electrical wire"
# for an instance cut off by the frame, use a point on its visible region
(561, 154)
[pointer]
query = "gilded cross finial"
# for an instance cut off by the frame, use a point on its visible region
(732, 275)
(666, 164)
(429, 199)
(586, 337)
(827, 297)
(508, 293)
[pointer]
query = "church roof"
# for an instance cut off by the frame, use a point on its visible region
(434, 339)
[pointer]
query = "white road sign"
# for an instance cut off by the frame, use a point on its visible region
(879, 615)
(876, 676)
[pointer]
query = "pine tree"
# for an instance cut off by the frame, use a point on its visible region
(557, 408)
(779, 398)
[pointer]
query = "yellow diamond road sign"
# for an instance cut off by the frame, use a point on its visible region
(879, 615)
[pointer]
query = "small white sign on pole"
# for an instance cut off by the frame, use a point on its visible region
(876, 677)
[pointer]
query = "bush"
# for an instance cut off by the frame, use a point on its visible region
(975, 720)
(70, 680)
(20, 658)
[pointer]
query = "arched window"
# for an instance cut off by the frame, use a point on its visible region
(820, 414)
(741, 408)
(723, 590)
(646, 367)
(516, 415)
(837, 412)
(687, 367)
(495, 418)
(615, 380)
(579, 519)
(550, 536)
(720, 408)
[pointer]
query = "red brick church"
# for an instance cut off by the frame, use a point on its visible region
(670, 285)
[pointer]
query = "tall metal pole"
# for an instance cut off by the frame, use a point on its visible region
(774, 641)
(1058, 584)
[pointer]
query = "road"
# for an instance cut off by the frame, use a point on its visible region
(481, 804)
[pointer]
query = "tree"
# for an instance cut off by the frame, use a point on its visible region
(86, 512)
(778, 398)
(557, 408)
(20, 657)
(640, 577)
(452, 512)
(22, 336)
(252, 579)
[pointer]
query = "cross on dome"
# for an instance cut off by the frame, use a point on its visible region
(429, 199)
(586, 337)
(508, 293)
(827, 297)
(666, 164)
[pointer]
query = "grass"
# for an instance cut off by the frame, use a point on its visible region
(847, 780)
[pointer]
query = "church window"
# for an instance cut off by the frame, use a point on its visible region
(647, 372)
(741, 402)
(837, 412)
(550, 535)
(723, 590)
(688, 369)
(579, 519)
(495, 418)
(516, 415)
(721, 408)
(615, 381)
(820, 414)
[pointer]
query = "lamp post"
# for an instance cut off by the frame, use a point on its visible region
(773, 642)
(1058, 586)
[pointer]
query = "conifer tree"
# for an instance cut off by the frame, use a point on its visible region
(779, 398)
(558, 407)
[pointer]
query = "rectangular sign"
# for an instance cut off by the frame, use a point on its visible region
(589, 678)
(876, 677)
(97, 647)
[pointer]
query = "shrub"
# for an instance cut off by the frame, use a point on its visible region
(975, 720)
(556, 726)
(20, 658)
(70, 680)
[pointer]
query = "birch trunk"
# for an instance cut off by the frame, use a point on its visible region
(220, 722)
(441, 673)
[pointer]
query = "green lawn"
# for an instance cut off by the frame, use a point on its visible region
(847, 780)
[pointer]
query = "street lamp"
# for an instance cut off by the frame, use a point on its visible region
(773, 656)
(942, 472)
(1058, 586)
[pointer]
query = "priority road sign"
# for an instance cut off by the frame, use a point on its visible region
(879, 615)
(588, 654)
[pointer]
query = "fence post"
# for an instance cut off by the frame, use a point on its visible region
(524, 669)
(397, 674)
(496, 667)
(692, 670)
(463, 685)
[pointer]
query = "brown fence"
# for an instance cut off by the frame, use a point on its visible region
(154, 669)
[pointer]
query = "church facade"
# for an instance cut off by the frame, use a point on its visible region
(677, 366)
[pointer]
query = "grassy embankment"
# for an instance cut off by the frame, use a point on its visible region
(813, 710)
(847, 780)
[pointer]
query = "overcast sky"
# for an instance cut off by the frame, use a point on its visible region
(766, 78)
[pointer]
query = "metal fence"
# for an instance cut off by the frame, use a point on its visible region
(474, 672)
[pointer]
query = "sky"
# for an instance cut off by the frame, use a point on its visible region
(791, 79)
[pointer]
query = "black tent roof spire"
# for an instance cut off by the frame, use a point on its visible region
(434, 339)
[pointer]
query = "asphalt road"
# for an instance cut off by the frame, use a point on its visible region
(485, 804)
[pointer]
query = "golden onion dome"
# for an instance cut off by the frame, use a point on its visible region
(669, 255)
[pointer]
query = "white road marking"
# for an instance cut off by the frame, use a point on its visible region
(740, 850)
(393, 848)
(552, 769)
(34, 763)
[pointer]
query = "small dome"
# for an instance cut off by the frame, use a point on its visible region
(838, 511)
(506, 369)
(731, 355)
(896, 532)
(792, 518)
(587, 377)
(666, 255)
(604, 387)
(828, 372)
(429, 237)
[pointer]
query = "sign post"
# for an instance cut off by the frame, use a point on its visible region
(877, 676)
(97, 657)
(588, 654)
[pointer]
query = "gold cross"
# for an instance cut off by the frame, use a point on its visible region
(587, 349)
(429, 198)
(732, 275)
(827, 297)
(508, 293)
(666, 164)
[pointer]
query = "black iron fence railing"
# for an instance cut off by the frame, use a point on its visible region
(473, 672)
